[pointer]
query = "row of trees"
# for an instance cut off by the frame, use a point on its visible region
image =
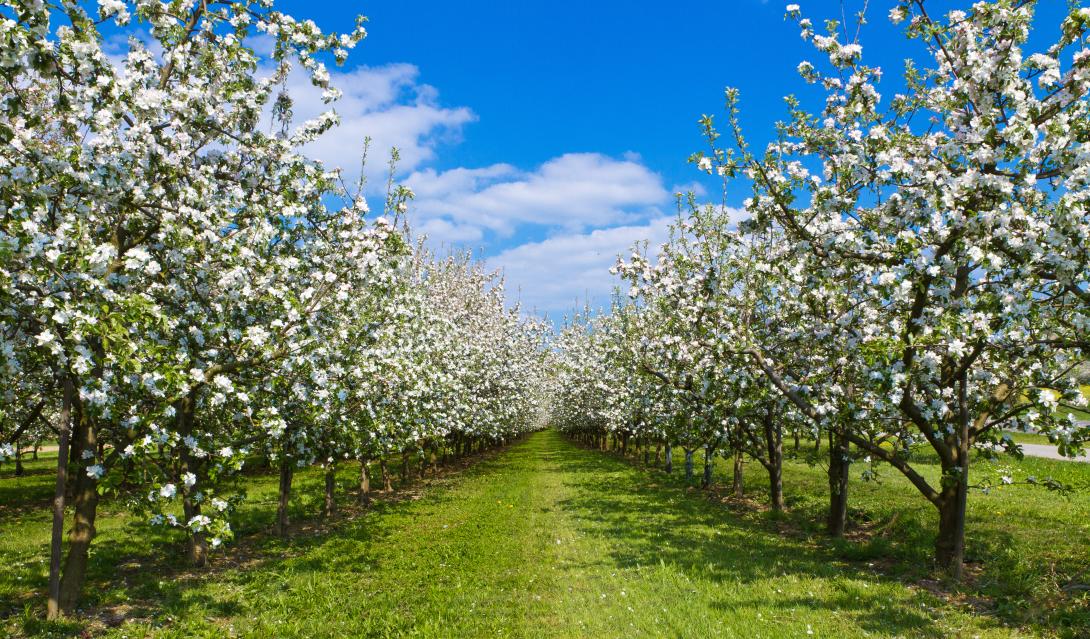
(913, 273)
(182, 290)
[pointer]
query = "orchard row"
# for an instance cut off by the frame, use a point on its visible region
(183, 291)
(910, 280)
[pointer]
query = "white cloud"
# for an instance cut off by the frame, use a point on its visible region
(438, 230)
(696, 188)
(575, 191)
(387, 104)
(557, 274)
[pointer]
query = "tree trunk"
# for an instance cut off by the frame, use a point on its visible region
(330, 487)
(85, 505)
(774, 443)
(709, 459)
(739, 483)
(197, 547)
(75, 440)
(387, 483)
(950, 544)
(688, 464)
(18, 458)
(365, 484)
(286, 473)
(624, 445)
(185, 410)
(839, 464)
(775, 487)
(53, 609)
(34, 449)
(669, 458)
(404, 468)
(796, 434)
(658, 453)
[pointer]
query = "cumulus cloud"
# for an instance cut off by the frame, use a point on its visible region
(574, 192)
(559, 273)
(556, 274)
(387, 104)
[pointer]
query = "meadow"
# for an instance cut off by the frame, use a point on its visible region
(549, 539)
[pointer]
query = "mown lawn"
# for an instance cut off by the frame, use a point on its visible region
(1080, 414)
(551, 540)
(1027, 547)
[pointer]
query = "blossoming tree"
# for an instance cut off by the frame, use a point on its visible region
(178, 280)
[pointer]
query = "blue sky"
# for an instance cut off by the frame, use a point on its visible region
(551, 135)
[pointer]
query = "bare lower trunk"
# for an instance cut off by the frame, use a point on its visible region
(330, 488)
(387, 483)
(404, 468)
(658, 453)
(18, 458)
(53, 608)
(85, 505)
(365, 483)
(197, 547)
(774, 444)
(839, 464)
(950, 543)
(185, 411)
(669, 458)
(739, 484)
(286, 473)
(688, 464)
(709, 459)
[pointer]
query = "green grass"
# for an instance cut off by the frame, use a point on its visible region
(1028, 438)
(1079, 414)
(551, 540)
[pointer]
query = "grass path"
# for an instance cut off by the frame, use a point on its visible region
(549, 540)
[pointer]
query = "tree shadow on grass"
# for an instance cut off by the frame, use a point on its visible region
(649, 519)
(32, 492)
(140, 572)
